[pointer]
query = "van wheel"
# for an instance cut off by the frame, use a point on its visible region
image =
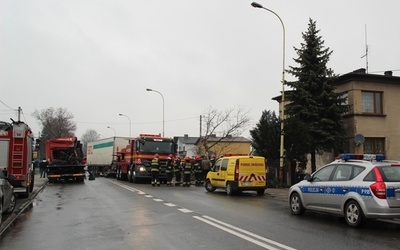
(353, 214)
(209, 187)
(229, 189)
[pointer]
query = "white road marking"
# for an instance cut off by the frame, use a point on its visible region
(269, 244)
(241, 233)
(170, 204)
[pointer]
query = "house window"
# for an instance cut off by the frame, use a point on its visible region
(374, 146)
(372, 102)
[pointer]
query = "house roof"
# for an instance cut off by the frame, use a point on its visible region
(236, 139)
(186, 139)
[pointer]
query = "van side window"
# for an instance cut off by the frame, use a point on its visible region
(217, 166)
(224, 164)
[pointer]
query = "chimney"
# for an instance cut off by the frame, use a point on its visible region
(186, 135)
(388, 73)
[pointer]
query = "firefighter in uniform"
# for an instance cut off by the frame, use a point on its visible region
(178, 170)
(155, 170)
(187, 172)
(212, 161)
(198, 171)
(169, 170)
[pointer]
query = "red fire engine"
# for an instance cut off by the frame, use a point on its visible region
(133, 162)
(16, 143)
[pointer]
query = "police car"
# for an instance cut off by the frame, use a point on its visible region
(357, 187)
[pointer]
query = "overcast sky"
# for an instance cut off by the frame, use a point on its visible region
(96, 58)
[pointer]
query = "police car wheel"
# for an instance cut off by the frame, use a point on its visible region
(13, 203)
(296, 206)
(353, 214)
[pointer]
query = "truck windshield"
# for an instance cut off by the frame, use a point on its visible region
(157, 147)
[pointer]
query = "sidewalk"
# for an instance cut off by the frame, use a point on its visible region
(275, 193)
(278, 193)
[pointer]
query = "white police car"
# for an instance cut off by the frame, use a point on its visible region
(358, 187)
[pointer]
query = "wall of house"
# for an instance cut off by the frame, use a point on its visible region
(231, 148)
(385, 126)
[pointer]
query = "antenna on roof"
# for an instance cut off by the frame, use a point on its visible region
(366, 51)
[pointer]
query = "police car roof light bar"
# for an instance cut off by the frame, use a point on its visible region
(367, 157)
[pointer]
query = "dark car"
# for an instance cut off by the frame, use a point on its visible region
(7, 196)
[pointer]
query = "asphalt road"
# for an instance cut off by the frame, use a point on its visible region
(111, 214)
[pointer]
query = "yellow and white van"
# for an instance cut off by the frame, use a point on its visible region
(238, 173)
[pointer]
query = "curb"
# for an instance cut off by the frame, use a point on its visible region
(27, 204)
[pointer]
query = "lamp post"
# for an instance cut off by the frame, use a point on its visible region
(112, 129)
(282, 147)
(163, 121)
(129, 123)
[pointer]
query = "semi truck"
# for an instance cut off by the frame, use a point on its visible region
(101, 155)
(65, 160)
(134, 161)
(16, 147)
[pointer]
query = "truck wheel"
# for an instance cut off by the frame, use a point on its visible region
(229, 189)
(32, 184)
(135, 179)
(260, 192)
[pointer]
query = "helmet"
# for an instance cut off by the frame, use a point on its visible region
(170, 156)
(212, 156)
(198, 157)
(156, 156)
(187, 158)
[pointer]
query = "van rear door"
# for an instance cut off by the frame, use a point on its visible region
(252, 172)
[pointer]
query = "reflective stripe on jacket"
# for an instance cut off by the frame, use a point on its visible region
(155, 165)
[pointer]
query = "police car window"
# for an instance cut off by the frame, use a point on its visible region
(224, 164)
(324, 173)
(342, 173)
(357, 170)
(370, 176)
(391, 174)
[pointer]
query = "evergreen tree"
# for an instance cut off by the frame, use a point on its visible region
(313, 103)
(266, 136)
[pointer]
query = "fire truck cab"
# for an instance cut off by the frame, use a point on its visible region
(16, 144)
(133, 162)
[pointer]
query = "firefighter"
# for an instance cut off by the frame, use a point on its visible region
(43, 168)
(178, 170)
(198, 171)
(187, 171)
(169, 170)
(155, 170)
(206, 166)
(212, 161)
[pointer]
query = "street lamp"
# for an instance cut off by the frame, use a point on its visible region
(129, 123)
(163, 121)
(282, 148)
(112, 129)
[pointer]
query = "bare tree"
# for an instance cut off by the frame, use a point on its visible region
(226, 124)
(89, 136)
(56, 123)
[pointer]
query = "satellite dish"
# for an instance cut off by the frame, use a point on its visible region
(359, 139)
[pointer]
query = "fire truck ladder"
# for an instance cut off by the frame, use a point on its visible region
(18, 152)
